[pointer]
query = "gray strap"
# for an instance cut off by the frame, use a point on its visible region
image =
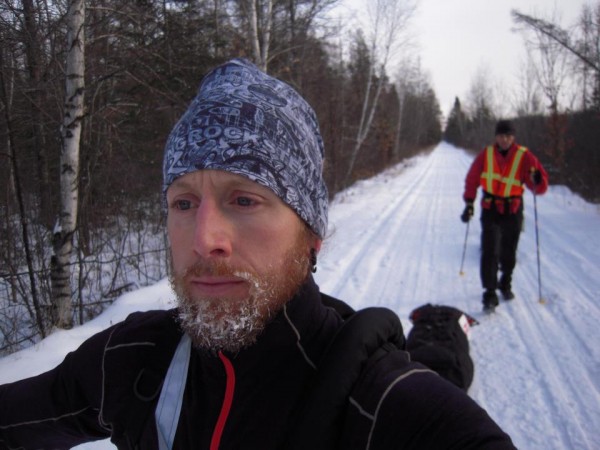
(171, 396)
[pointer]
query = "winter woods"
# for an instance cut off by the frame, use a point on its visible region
(96, 223)
(89, 91)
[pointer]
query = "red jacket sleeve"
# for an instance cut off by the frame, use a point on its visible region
(473, 178)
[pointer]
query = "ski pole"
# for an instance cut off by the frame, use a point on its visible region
(537, 244)
(464, 250)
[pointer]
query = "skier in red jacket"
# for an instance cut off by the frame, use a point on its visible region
(502, 171)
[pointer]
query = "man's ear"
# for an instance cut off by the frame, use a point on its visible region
(317, 244)
(314, 249)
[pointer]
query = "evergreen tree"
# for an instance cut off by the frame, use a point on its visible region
(456, 125)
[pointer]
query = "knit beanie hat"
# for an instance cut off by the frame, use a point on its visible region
(248, 123)
(505, 127)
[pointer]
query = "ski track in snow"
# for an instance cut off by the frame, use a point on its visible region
(396, 240)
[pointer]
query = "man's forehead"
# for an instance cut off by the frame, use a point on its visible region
(220, 178)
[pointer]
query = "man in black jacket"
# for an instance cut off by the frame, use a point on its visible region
(254, 356)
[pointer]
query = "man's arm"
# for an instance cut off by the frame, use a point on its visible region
(59, 408)
(402, 404)
(429, 412)
(533, 174)
(426, 411)
(473, 177)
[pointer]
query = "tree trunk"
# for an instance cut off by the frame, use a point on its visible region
(254, 32)
(37, 314)
(266, 36)
(389, 19)
(397, 139)
(260, 36)
(366, 119)
(69, 168)
(33, 53)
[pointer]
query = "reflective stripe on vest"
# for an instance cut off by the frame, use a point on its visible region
(505, 184)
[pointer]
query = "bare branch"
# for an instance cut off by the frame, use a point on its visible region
(556, 34)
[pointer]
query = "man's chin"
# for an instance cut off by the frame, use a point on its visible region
(234, 322)
(216, 300)
(228, 325)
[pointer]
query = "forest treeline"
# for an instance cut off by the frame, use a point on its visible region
(142, 62)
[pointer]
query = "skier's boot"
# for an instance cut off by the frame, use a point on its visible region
(490, 301)
(505, 288)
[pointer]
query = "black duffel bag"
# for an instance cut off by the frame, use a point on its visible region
(439, 339)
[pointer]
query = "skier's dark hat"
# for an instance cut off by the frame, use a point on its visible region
(505, 127)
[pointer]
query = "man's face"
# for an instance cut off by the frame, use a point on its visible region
(504, 141)
(238, 255)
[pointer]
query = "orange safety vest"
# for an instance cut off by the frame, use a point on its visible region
(502, 184)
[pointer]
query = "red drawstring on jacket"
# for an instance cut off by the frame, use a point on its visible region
(227, 401)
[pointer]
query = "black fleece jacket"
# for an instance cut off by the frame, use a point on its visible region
(293, 389)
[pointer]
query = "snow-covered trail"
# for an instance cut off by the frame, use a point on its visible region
(397, 241)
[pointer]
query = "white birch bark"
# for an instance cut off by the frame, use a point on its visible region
(69, 167)
(266, 36)
(254, 31)
(260, 31)
(388, 22)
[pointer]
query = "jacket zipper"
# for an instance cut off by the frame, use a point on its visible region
(227, 401)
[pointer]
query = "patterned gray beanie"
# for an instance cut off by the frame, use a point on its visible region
(245, 122)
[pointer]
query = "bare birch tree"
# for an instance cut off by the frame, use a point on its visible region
(527, 100)
(546, 48)
(388, 20)
(481, 98)
(261, 19)
(405, 78)
(589, 55)
(62, 310)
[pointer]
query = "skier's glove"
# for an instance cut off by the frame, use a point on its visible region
(467, 213)
(536, 177)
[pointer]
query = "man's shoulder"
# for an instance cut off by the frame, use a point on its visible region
(151, 318)
(365, 355)
(516, 147)
(136, 358)
(154, 325)
(339, 306)
(391, 374)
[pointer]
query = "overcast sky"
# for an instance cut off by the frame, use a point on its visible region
(456, 38)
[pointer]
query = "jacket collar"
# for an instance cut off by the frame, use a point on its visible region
(514, 146)
(303, 329)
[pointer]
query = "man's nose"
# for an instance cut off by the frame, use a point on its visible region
(212, 236)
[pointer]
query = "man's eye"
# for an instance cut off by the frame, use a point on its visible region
(183, 205)
(244, 201)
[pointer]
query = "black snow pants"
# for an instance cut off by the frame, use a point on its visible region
(499, 241)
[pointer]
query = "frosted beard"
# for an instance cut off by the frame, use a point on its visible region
(232, 324)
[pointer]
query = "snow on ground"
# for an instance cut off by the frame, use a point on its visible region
(396, 240)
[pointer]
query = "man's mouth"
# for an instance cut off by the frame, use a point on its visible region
(218, 286)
